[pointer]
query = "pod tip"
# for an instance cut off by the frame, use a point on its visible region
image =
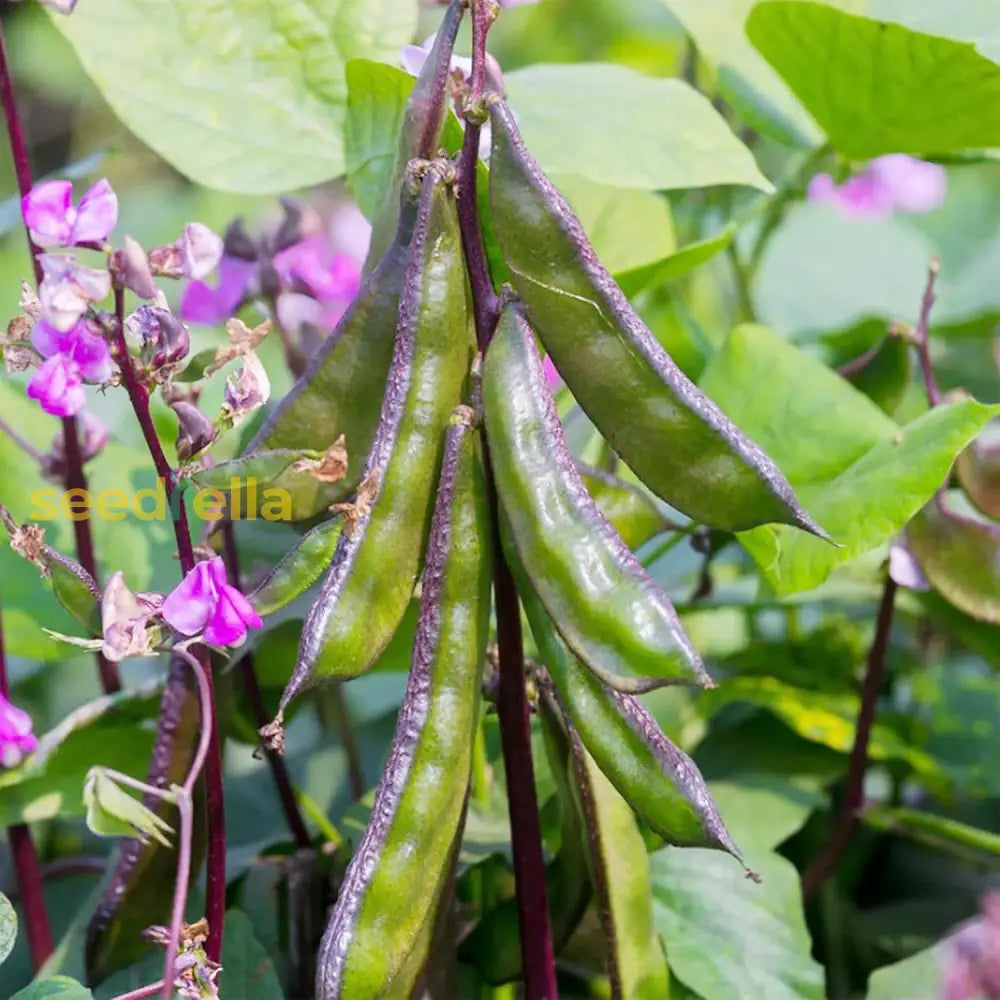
(752, 875)
(806, 523)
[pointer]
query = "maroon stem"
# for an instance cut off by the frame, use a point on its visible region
(75, 478)
(282, 782)
(25, 862)
(538, 954)
(922, 335)
(215, 865)
(824, 865)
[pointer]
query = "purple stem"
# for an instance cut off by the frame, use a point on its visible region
(143, 991)
(538, 955)
(922, 337)
(282, 782)
(215, 865)
(75, 478)
(824, 865)
(25, 861)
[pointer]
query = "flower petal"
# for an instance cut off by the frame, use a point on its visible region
(914, 185)
(200, 250)
(200, 303)
(47, 340)
(92, 354)
(97, 214)
(57, 387)
(191, 604)
(47, 210)
(226, 627)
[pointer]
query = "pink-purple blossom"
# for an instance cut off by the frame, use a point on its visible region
(16, 738)
(205, 602)
(64, 6)
(552, 376)
(203, 303)
(971, 956)
(893, 183)
(71, 357)
(199, 249)
(54, 221)
(68, 289)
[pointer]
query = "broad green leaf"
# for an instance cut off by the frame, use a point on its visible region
(674, 265)
(917, 976)
(56, 988)
(755, 91)
(823, 717)
(615, 126)
(113, 812)
(249, 971)
(628, 228)
(109, 731)
(859, 474)
(866, 82)
(959, 553)
(633, 512)
(763, 809)
(245, 96)
(8, 928)
(935, 831)
(883, 373)
(727, 936)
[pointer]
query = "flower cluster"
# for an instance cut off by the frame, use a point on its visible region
(894, 183)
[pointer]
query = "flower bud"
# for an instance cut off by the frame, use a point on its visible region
(93, 438)
(195, 432)
(130, 268)
(125, 619)
(237, 242)
(163, 337)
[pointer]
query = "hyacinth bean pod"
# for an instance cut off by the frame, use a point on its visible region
(395, 879)
(619, 868)
(341, 390)
(657, 779)
(377, 559)
(978, 472)
(605, 605)
(298, 569)
(675, 439)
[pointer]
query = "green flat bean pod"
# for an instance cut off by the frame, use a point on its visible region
(631, 511)
(675, 438)
(657, 779)
(377, 559)
(298, 569)
(619, 868)
(606, 606)
(403, 860)
(341, 390)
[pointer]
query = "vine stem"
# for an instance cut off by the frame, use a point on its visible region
(922, 337)
(824, 865)
(75, 478)
(25, 860)
(279, 772)
(538, 955)
(215, 864)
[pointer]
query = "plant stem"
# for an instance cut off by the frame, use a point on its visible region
(75, 478)
(537, 952)
(143, 991)
(282, 782)
(921, 335)
(26, 446)
(824, 865)
(342, 722)
(25, 863)
(215, 864)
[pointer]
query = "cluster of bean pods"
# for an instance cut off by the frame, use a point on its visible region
(420, 409)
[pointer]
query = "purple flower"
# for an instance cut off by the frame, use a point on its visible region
(413, 57)
(59, 6)
(53, 221)
(201, 303)
(16, 738)
(205, 602)
(889, 183)
(71, 357)
(328, 277)
(125, 620)
(200, 250)
(68, 289)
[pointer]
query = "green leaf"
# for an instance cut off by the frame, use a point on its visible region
(109, 731)
(763, 809)
(935, 831)
(56, 988)
(674, 265)
(727, 936)
(859, 474)
(249, 971)
(916, 976)
(868, 83)
(960, 555)
(823, 717)
(8, 928)
(245, 96)
(112, 812)
(632, 511)
(615, 126)
(628, 228)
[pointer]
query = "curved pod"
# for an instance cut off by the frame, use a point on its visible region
(606, 606)
(394, 880)
(375, 565)
(673, 436)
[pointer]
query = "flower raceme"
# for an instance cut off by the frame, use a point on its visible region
(16, 738)
(893, 183)
(205, 602)
(54, 221)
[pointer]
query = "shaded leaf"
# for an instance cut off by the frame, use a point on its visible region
(615, 126)
(674, 265)
(250, 95)
(917, 976)
(56, 988)
(978, 472)
(249, 971)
